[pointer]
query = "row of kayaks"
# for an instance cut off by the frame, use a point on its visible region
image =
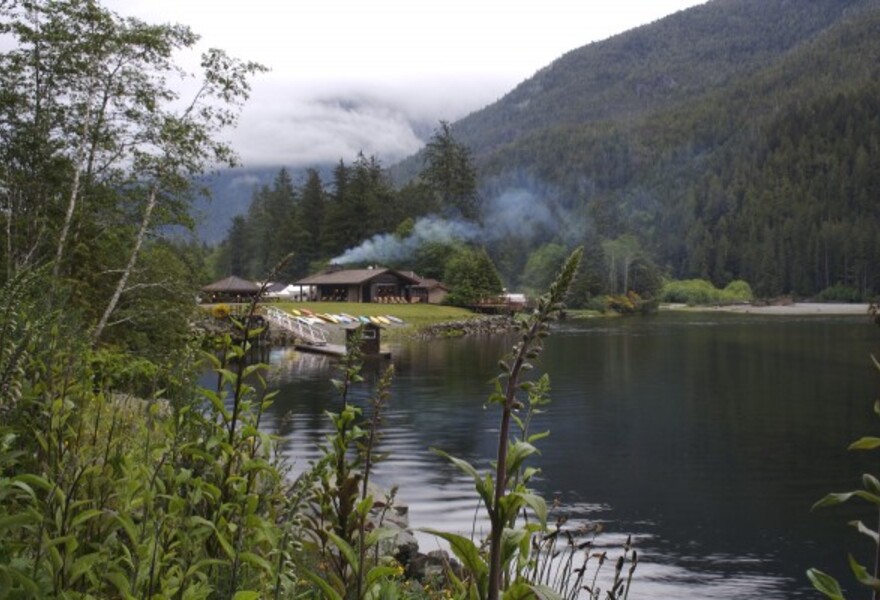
(312, 318)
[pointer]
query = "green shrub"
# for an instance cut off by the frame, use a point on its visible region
(688, 291)
(596, 303)
(737, 291)
(630, 304)
(695, 292)
(840, 293)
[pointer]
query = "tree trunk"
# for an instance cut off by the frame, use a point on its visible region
(152, 200)
(74, 188)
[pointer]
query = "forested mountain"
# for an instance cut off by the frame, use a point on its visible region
(739, 139)
(674, 61)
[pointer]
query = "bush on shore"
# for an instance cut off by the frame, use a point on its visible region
(695, 292)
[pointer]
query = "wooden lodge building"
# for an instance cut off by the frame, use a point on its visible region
(379, 285)
(429, 291)
(362, 285)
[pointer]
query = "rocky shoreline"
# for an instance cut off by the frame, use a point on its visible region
(483, 325)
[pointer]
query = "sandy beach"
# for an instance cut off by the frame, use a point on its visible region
(794, 309)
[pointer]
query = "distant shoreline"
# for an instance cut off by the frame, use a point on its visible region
(794, 309)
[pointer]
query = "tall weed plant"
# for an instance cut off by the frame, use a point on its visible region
(518, 560)
(343, 531)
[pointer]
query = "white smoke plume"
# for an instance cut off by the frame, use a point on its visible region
(518, 213)
(387, 247)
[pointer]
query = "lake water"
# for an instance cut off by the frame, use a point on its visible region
(707, 437)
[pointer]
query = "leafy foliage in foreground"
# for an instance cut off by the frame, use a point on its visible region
(99, 160)
(870, 493)
(106, 494)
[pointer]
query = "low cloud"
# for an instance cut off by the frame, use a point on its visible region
(244, 181)
(320, 123)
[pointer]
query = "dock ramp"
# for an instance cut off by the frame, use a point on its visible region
(307, 333)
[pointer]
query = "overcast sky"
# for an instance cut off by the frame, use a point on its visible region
(352, 75)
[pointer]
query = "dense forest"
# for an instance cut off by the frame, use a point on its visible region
(430, 225)
(734, 140)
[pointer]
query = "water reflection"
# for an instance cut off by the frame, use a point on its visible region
(705, 437)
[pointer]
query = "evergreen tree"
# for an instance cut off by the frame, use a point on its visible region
(310, 222)
(338, 228)
(450, 174)
(231, 255)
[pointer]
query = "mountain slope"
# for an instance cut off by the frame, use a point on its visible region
(668, 62)
(664, 132)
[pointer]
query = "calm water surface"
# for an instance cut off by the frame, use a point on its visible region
(707, 437)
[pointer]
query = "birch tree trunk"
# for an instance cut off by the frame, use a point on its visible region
(152, 200)
(74, 188)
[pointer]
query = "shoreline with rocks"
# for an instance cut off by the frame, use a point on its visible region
(481, 325)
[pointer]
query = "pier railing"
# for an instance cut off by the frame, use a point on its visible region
(306, 332)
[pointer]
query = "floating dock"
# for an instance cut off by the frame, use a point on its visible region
(337, 350)
(312, 337)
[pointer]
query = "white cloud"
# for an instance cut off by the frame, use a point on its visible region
(391, 64)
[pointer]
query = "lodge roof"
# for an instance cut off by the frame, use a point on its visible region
(352, 277)
(232, 285)
(425, 282)
(431, 284)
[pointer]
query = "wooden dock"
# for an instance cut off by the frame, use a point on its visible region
(336, 350)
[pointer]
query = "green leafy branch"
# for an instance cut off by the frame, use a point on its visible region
(870, 493)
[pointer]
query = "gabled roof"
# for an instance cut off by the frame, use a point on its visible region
(351, 277)
(425, 282)
(232, 285)
(431, 284)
